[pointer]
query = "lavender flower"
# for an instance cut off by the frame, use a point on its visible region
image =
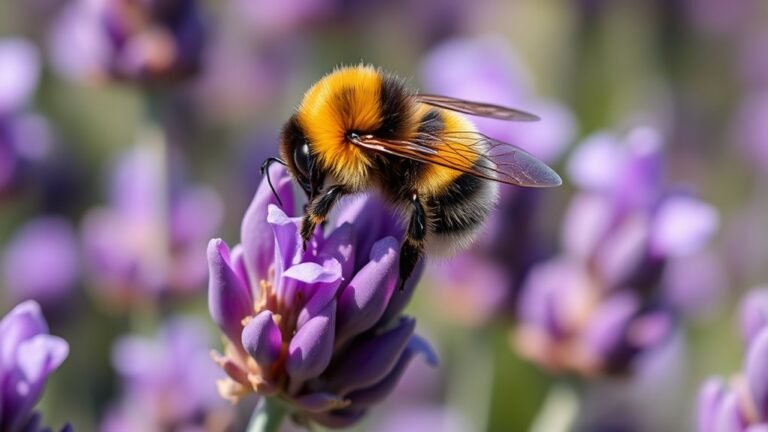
(742, 404)
(40, 261)
(134, 40)
(320, 329)
(28, 354)
(168, 382)
(147, 242)
(600, 304)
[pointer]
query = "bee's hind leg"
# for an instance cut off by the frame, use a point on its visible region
(317, 210)
(413, 245)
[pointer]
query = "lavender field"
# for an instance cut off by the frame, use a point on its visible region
(151, 278)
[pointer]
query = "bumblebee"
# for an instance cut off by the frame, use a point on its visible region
(360, 129)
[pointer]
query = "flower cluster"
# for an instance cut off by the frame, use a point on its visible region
(40, 261)
(147, 242)
(320, 329)
(600, 304)
(24, 136)
(28, 354)
(137, 40)
(168, 381)
(740, 405)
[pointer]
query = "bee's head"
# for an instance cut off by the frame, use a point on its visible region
(296, 151)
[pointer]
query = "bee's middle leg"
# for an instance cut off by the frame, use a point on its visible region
(413, 245)
(317, 210)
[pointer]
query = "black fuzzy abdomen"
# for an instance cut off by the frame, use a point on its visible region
(462, 207)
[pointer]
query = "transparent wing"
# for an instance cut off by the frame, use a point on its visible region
(469, 152)
(476, 108)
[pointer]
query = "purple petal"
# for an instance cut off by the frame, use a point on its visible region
(40, 355)
(228, 298)
(317, 284)
(372, 220)
(710, 397)
(262, 339)
(23, 322)
(596, 163)
(756, 371)
(607, 332)
(370, 360)
(587, 220)
(728, 418)
(339, 246)
(256, 233)
(320, 402)
(642, 172)
(287, 241)
(624, 251)
(364, 300)
(196, 213)
(37, 357)
(309, 352)
(367, 397)
(20, 65)
(754, 313)
(41, 261)
(548, 293)
(683, 225)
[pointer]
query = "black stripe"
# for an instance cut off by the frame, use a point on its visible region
(395, 106)
(457, 210)
(431, 123)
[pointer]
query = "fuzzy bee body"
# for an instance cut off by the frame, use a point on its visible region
(359, 129)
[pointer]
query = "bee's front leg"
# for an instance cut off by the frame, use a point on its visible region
(317, 210)
(413, 245)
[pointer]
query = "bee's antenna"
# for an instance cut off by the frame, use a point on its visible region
(265, 169)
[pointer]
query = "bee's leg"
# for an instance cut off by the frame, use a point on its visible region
(317, 210)
(413, 246)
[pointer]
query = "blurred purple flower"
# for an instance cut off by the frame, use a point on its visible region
(40, 261)
(28, 354)
(487, 70)
(741, 405)
(601, 303)
(136, 40)
(319, 329)
(23, 136)
(21, 68)
(148, 241)
(485, 279)
(168, 382)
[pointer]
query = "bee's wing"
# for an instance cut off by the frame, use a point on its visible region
(476, 108)
(469, 152)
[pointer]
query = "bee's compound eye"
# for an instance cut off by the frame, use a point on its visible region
(301, 158)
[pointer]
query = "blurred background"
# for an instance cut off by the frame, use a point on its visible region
(131, 132)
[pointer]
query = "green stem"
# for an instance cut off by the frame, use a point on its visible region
(268, 416)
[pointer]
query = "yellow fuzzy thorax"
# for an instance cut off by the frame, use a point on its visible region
(342, 101)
